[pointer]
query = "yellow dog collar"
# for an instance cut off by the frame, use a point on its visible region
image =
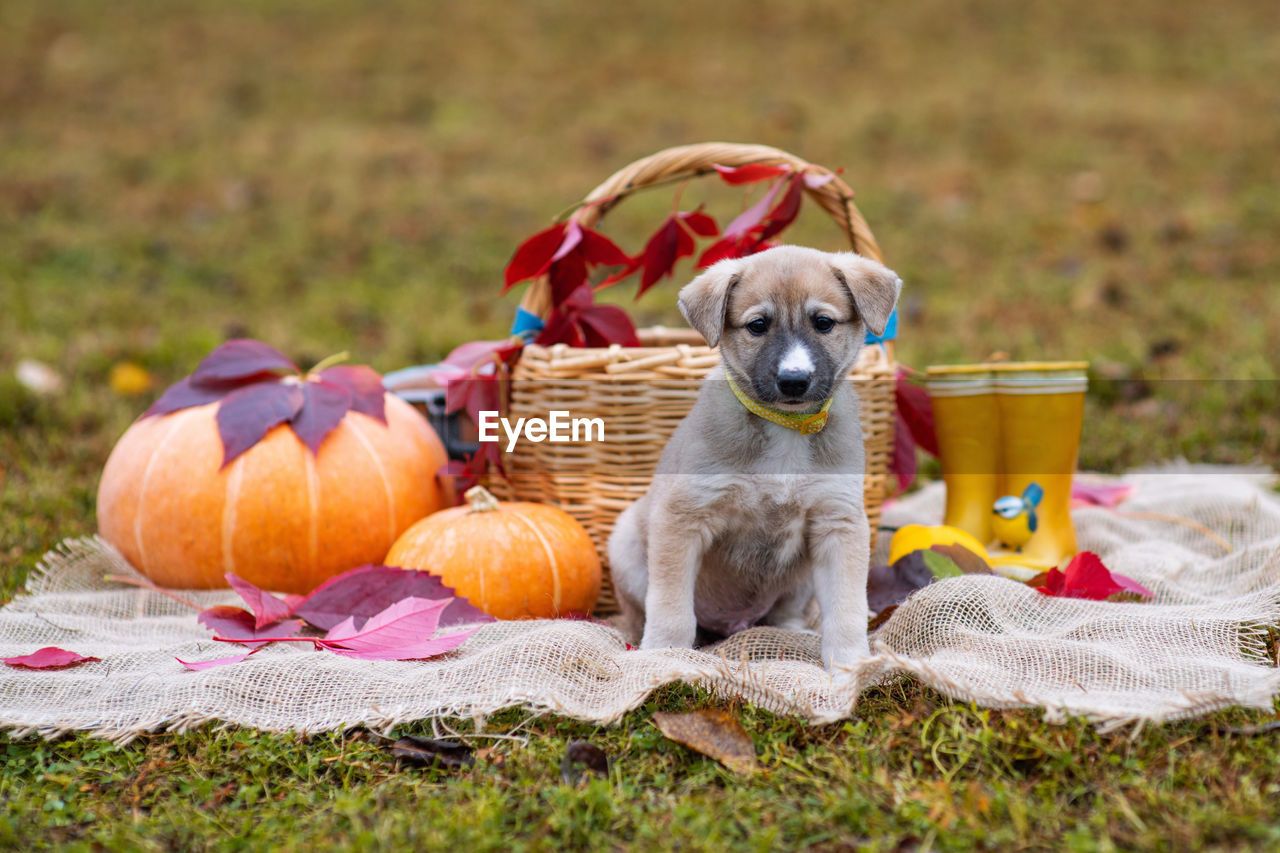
(801, 423)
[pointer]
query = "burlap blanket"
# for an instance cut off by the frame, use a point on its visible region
(1206, 541)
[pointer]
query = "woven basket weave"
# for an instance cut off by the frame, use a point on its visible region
(642, 393)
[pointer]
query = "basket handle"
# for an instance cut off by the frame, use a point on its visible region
(690, 161)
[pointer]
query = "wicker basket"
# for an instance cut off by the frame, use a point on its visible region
(642, 393)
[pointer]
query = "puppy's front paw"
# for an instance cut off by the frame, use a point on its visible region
(842, 658)
(659, 635)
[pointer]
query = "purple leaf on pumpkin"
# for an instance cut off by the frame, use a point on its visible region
(324, 405)
(266, 607)
(240, 359)
(368, 590)
(368, 395)
(249, 413)
(50, 657)
(184, 394)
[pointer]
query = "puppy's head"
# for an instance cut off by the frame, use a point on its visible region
(791, 320)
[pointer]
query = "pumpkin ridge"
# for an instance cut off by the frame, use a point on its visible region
(551, 557)
(313, 504)
(142, 492)
(358, 432)
(230, 503)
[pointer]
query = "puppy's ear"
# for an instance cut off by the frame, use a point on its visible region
(704, 300)
(873, 287)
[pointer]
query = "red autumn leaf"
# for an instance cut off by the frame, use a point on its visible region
(534, 256)
(1087, 577)
(564, 253)
(673, 240)
(750, 219)
(702, 224)
(249, 413)
(235, 623)
(239, 359)
(368, 590)
(668, 245)
(751, 172)
(604, 325)
(916, 411)
(368, 395)
(786, 210)
(580, 322)
(567, 275)
(266, 607)
(474, 353)
(599, 250)
(50, 657)
(902, 465)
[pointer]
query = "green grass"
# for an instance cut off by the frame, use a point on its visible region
(911, 769)
(1052, 180)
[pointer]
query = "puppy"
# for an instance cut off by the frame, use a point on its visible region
(756, 508)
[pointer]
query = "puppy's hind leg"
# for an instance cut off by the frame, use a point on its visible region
(629, 570)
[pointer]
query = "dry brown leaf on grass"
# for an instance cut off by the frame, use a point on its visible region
(715, 734)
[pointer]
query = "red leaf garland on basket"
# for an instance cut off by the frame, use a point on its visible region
(567, 253)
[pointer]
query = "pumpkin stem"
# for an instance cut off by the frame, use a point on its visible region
(330, 361)
(480, 499)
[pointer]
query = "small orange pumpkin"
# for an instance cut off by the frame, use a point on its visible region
(512, 560)
(276, 516)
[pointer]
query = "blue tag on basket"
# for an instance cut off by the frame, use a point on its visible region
(890, 330)
(526, 324)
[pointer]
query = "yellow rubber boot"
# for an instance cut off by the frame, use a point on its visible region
(1041, 409)
(966, 419)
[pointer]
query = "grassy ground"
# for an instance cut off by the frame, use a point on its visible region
(1091, 179)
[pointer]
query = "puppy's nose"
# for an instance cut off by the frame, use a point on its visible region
(793, 382)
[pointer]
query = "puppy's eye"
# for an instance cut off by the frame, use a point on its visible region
(758, 326)
(823, 324)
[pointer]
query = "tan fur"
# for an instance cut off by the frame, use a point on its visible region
(747, 521)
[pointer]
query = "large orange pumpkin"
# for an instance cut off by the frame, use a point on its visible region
(512, 560)
(277, 515)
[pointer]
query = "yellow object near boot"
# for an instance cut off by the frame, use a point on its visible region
(966, 420)
(1041, 415)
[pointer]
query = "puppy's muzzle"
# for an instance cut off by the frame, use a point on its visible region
(793, 382)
